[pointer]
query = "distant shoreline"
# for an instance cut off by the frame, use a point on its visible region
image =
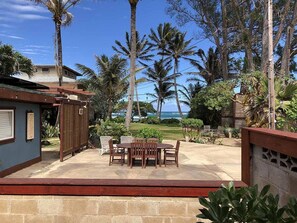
(164, 115)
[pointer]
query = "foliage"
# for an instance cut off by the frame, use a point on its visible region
(170, 121)
(246, 204)
(12, 62)
(93, 136)
(119, 119)
(288, 121)
(150, 120)
(145, 107)
(49, 131)
(109, 85)
(116, 130)
(150, 133)
(191, 127)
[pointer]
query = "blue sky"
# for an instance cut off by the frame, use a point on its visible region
(96, 25)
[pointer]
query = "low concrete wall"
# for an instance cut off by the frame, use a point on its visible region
(105, 209)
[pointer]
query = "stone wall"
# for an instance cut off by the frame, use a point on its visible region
(276, 169)
(105, 209)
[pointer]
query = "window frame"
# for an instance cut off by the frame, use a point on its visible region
(12, 139)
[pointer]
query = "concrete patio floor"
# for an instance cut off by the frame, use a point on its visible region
(196, 162)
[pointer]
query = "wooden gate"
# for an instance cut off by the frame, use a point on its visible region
(74, 126)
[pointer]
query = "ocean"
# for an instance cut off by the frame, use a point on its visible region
(164, 115)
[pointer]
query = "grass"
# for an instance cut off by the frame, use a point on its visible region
(54, 142)
(173, 132)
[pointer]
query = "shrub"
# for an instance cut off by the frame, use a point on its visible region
(170, 121)
(191, 127)
(150, 133)
(235, 133)
(93, 136)
(49, 131)
(109, 128)
(246, 204)
(150, 120)
(119, 119)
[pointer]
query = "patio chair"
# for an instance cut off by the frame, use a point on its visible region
(126, 139)
(156, 140)
(172, 153)
(115, 152)
(151, 152)
(104, 141)
(137, 152)
(142, 140)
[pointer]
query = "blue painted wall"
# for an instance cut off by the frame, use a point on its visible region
(20, 151)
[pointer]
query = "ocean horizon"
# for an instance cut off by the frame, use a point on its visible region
(164, 115)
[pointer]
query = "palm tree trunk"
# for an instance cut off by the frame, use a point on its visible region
(176, 91)
(158, 108)
(137, 100)
(109, 110)
(133, 4)
(224, 62)
(58, 52)
(161, 102)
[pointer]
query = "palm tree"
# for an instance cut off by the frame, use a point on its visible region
(189, 93)
(177, 49)
(61, 17)
(209, 68)
(158, 74)
(162, 93)
(142, 54)
(110, 81)
(133, 5)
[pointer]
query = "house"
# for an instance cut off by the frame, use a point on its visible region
(20, 123)
(47, 75)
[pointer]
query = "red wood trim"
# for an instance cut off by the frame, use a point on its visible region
(245, 156)
(18, 167)
(87, 187)
(8, 94)
(278, 141)
(61, 109)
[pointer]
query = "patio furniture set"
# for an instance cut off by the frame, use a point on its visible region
(139, 149)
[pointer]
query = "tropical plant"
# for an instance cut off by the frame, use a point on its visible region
(188, 93)
(133, 6)
(109, 84)
(144, 107)
(49, 131)
(158, 74)
(13, 63)
(209, 68)
(191, 127)
(110, 128)
(151, 120)
(61, 17)
(178, 48)
(247, 204)
(150, 133)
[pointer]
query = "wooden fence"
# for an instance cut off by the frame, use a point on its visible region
(74, 126)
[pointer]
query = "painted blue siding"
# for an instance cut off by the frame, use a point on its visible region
(20, 151)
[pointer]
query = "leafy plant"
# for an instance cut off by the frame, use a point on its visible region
(49, 131)
(170, 121)
(150, 120)
(246, 204)
(119, 119)
(191, 127)
(150, 133)
(109, 128)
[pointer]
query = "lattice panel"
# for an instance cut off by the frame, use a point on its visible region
(281, 160)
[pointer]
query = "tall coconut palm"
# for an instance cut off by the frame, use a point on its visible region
(61, 17)
(178, 48)
(189, 92)
(158, 74)
(110, 81)
(133, 5)
(142, 55)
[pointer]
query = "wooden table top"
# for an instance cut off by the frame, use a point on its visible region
(159, 145)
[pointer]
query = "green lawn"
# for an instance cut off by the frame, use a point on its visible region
(168, 131)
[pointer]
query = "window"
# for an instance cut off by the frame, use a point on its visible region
(45, 69)
(6, 125)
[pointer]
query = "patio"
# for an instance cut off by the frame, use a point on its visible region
(197, 162)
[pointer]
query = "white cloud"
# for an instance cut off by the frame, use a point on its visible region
(6, 26)
(11, 36)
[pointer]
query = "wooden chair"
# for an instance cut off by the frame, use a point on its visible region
(172, 153)
(155, 140)
(141, 140)
(116, 152)
(151, 152)
(137, 152)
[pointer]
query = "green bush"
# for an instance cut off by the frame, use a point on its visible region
(119, 119)
(170, 121)
(246, 204)
(150, 120)
(235, 133)
(49, 131)
(150, 133)
(93, 136)
(191, 123)
(116, 130)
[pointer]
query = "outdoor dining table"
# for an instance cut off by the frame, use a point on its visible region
(160, 146)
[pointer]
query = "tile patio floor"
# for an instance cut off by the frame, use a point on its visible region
(197, 162)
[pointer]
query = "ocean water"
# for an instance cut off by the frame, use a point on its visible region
(164, 115)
